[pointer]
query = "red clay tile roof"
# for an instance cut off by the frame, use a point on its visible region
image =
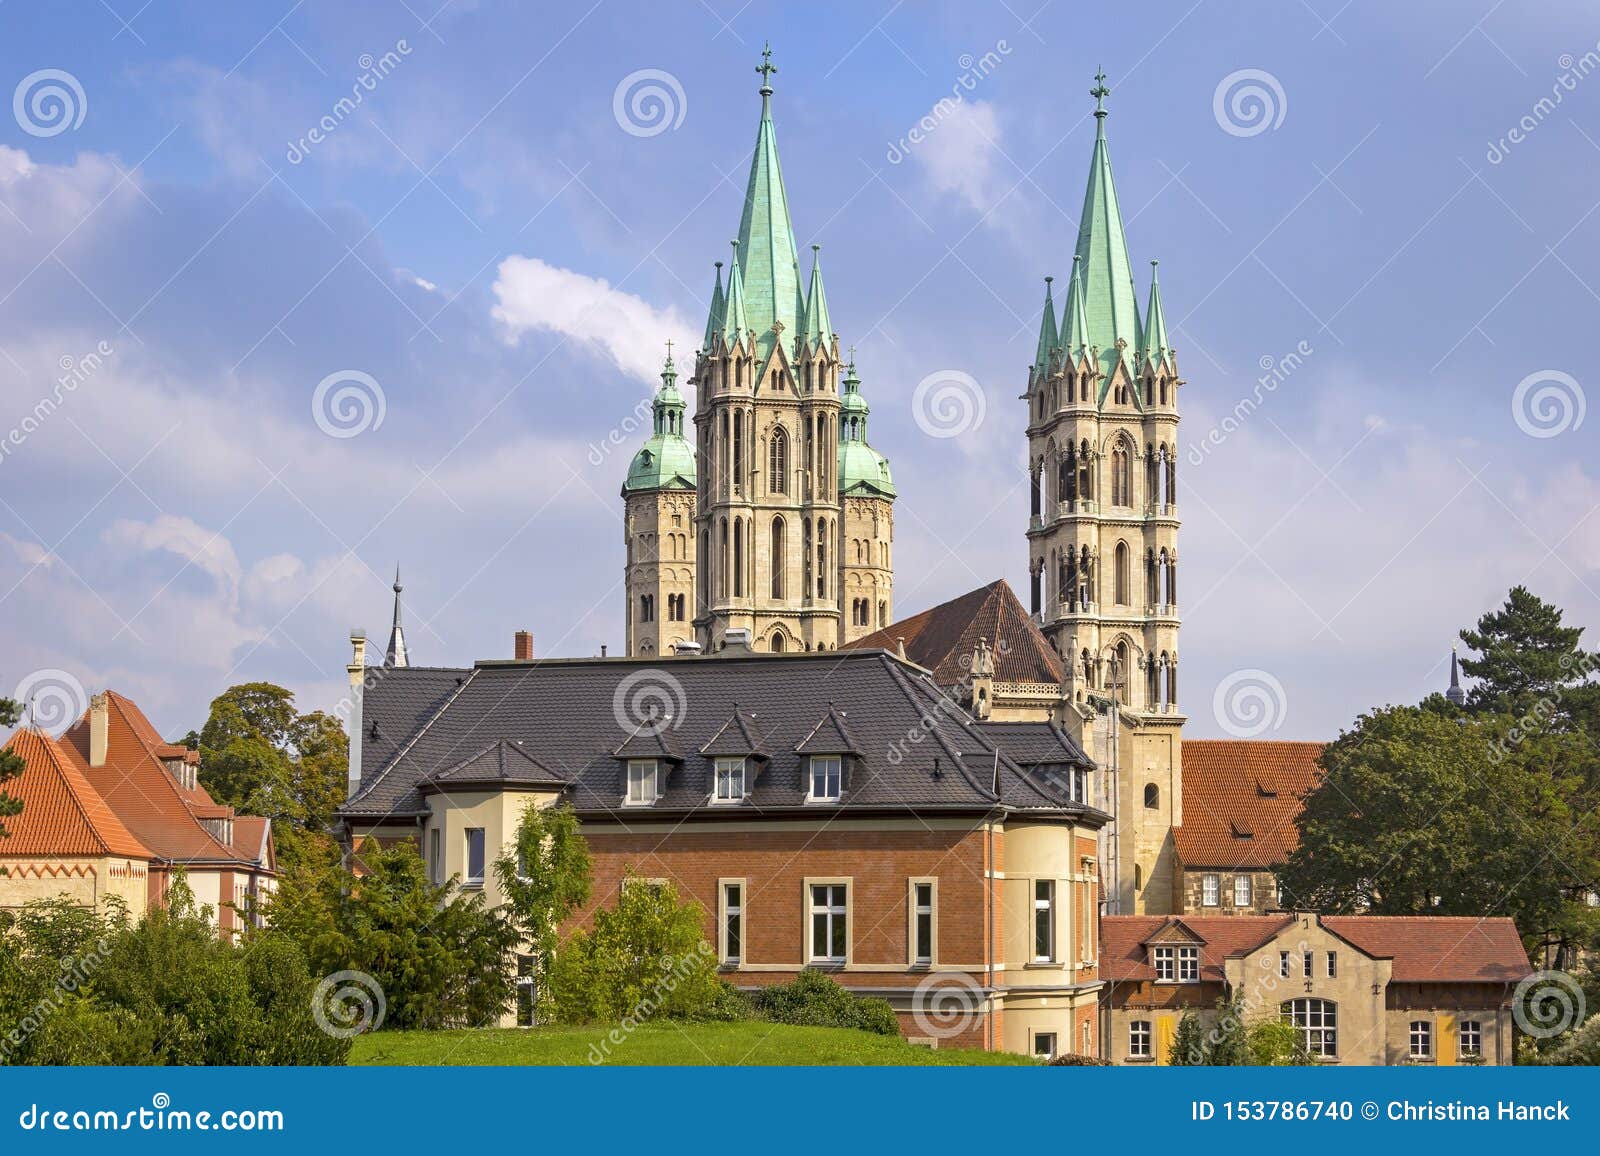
(1425, 949)
(62, 815)
(943, 639)
(1241, 799)
(151, 803)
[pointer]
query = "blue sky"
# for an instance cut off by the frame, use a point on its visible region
(485, 239)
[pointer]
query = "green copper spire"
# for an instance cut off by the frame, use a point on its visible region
(1048, 338)
(719, 304)
(1109, 306)
(818, 326)
(863, 471)
(1155, 348)
(666, 460)
(768, 264)
(735, 320)
(1074, 326)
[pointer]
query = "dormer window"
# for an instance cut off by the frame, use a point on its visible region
(729, 781)
(1176, 964)
(827, 778)
(643, 782)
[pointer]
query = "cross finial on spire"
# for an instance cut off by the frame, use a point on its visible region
(669, 349)
(1100, 92)
(766, 68)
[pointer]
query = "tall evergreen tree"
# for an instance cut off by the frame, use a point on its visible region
(11, 765)
(1524, 654)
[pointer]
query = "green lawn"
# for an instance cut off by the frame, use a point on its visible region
(660, 1043)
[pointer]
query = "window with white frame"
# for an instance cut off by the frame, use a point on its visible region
(1210, 890)
(1317, 1021)
(1470, 1038)
(830, 929)
(1283, 965)
(1333, 965)
(1305, 965)
(1422, 1039)
(1044, 920)
(1139, 1038)
(436, 855)
(474, 875)
(922, 923)
(730, 780)
(1165, 959)
(1188, 965)
(642, 784)
(1044, 1045)
(827, 777)
(732, 922)
(1242, 891)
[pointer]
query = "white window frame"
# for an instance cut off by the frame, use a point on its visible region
(830, 769)
(1333, 965)
(728, 772)
(1474, 1029)
(1283, 965)
(1322, 1036)
(1164, 958)
(644, 783)
(916, 910)
(1244, 891)
(1188, 965)
(1045, 906)
(1141, 1041)
(1051, 1043)
(468, 879)
(1421, 1032)
(831, 911)
(1210, 889)
(727, 911)
(436, 854)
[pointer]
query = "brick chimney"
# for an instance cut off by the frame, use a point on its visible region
(524, 646)
(99, 729)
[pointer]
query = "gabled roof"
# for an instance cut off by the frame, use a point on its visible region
(944, 638)
(1241, 799)
(829, 737)
(738, 737)
(1035, 744)
(501, 763)
(160, 811)
(1423, 948)
(62, 815)
(649, 740)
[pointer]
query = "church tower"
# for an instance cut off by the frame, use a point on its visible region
(1103, 536)
(773, 554)
(659, 508)
(866, 496)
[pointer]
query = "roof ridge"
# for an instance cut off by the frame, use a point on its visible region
(401, 752)
(122, 704)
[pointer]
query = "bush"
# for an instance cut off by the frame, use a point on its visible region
(816, 1000)
(1071, 1060)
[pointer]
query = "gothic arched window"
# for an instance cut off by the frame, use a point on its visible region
(1120, 585)
(777, 553)
(1120, 477)
(1085, 489)
(1152, 796)
(778, 462)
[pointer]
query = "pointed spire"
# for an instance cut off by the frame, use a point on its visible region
(1455, 694)
(818, 326)
(1074, 325)
(1048, 336)
(396, 654)
(768, 264)
(735, 322)
(719, 303)
(1109, 304)
(1156, 348)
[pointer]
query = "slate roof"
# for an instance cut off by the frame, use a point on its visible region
(1035, 743)
(1425, 949)
(159, 810)
(570, 715)
(1241, 799)
(62, 815)
(499, 763)
(942, 639)
(738, 737)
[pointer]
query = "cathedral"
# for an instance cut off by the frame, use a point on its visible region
(772, 524)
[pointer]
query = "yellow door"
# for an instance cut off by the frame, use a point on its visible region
(1166, 1026)
(1447, 1039)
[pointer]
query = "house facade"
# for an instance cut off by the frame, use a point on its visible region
(1362, 989)
(836, 812)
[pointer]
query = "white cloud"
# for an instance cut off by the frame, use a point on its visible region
(962, 155)
(208, 551)
(532, 295)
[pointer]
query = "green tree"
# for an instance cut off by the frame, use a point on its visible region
(1422, 814)
(1524, 655)
(1236, 1039)
(442, 958)
(11, 765)
(646, 957)
(263, 757)
(545, 877)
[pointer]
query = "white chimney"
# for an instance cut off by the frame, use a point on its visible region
(99, 729)
(358, 684)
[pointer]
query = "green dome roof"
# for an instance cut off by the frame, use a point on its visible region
(666, 460)
(861, 468)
